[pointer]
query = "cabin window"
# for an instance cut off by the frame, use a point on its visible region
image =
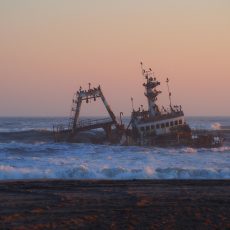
(171, 123)
(157, 126)
(176, 122)
(162, 125)
(142, 129)
(167, 124)
(147, 128)
(152, 126)
(180, 122)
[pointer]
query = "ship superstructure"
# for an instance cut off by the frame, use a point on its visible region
(155, 121)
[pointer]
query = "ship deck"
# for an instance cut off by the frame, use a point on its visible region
(162, 117)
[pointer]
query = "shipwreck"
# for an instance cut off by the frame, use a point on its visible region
(153, 126)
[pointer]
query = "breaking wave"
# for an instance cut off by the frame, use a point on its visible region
(44, 135)
(88, 161)
(83, 172)
(27, 136)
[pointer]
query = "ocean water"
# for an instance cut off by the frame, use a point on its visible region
(28, 151)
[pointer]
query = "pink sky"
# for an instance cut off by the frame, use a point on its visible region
(48, 49)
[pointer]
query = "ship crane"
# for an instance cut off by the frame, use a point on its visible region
(75, 125)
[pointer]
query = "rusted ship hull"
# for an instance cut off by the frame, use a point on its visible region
(207, 140)
(195, 139)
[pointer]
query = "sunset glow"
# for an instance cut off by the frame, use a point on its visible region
(51, 48)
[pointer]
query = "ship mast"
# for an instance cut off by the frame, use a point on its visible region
(151, 92)
(170, 94)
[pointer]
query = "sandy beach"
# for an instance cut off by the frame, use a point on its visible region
(109, 204)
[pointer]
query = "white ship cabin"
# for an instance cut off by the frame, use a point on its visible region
(160, 127)
(154, 121)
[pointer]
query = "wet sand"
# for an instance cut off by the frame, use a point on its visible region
(98, 204)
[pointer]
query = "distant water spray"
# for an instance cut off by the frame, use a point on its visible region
(216, 126)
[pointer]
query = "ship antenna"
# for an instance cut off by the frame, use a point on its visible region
(89, 90)
(170, 101)
(132, 103)
(142, 69)
(141, 65)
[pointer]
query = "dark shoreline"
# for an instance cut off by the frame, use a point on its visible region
(115, 204)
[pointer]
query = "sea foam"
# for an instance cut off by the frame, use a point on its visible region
(33, 154)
